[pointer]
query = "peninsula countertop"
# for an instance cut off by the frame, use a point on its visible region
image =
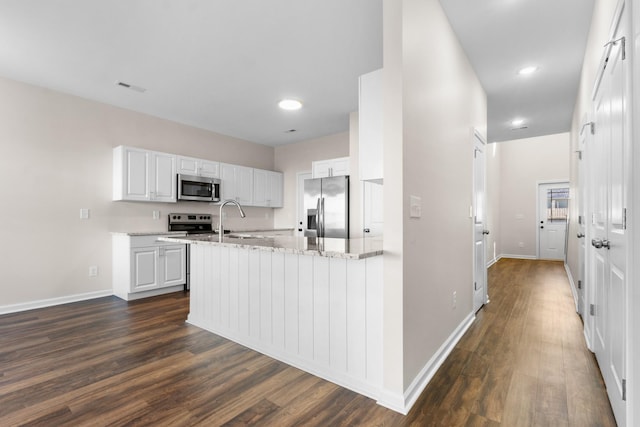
(327, 247)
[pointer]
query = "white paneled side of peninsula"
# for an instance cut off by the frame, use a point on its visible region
(321, 314)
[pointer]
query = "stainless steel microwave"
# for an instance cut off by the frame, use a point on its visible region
(198, 188)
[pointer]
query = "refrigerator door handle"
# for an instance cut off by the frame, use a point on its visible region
(318, 219)
(322, 206)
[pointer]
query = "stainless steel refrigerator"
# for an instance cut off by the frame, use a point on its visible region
(326, 204)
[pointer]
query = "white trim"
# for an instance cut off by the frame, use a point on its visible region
(298, 219)
(574, 290)
(494, 260)
(419, 383)
(513, 256)
(31, 305)
(131, 296)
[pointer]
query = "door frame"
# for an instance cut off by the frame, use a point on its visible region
(538, 184)
(476, 135)
(300, 202)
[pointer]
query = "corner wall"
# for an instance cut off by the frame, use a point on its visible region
(57, 158)
(433, 102)
(524, 163)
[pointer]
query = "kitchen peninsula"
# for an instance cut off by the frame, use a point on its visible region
(314, 303)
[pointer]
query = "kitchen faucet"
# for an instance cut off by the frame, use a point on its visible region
(225, 202)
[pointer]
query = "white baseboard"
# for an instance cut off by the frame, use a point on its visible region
(14, 308)
(518, 256)
(494, 260)
(574, 290)
(403, 404)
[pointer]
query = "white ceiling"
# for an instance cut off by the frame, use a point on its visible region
(503, 36)
(223, 65)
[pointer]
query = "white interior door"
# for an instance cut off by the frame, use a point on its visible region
(480, 286)
(553, 211)
(609, 173)
(301, 214)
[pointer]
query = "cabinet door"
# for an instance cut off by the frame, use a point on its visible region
(244, 185)
(135, 174)
(144, 271)
(228, 177)
(261, 186)
(370, 126)
(210, 169)
(321, 169)
(340, 166)
(187, 165)
(172, 264)
(276, 183)
(164, 178)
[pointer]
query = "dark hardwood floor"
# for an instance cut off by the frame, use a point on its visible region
(108, 362)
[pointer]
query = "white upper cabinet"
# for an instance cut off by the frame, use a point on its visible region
(330, 167)
(237, 183)
(143, 175)
(370, 128)
(267, 188)
(198, 167)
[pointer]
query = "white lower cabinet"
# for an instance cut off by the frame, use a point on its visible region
(143, 266)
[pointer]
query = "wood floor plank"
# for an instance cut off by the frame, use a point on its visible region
(107, 362)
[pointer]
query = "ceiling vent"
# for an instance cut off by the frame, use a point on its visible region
(132, 87)
(521, 128)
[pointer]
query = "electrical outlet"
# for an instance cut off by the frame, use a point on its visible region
(84, 213)
(156, 214)
(93, 271)
(521, 244)
(454, 299)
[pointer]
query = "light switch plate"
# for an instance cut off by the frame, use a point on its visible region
(84, 213)
(156, 214)
(415, 207)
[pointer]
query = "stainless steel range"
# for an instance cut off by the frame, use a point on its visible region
(191, 223)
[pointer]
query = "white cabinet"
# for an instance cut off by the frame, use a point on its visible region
(198, 167)
(143, 175)
(144, 266)
(370, 127)
(237, 183)
(330, 167)
(267, 188)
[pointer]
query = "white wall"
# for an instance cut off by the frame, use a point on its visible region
(57, 158)
(433, 101)
(523, 163)
(494, 180)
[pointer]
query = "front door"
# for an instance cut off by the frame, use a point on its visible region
(553, 209)
(480, 287)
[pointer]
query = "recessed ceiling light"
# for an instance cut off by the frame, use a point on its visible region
(527, 70)
(517, 122)
(290, 104)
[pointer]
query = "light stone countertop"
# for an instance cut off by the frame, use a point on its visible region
(148, 233)
(327, 247)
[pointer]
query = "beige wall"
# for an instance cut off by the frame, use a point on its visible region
(57, 158)
(294, 158)
(433, 101)
(524, 163)
(494, 180)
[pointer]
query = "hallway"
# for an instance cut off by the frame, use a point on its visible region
(523, 362)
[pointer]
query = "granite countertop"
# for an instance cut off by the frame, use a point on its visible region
(148, 233)
(328, 247)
